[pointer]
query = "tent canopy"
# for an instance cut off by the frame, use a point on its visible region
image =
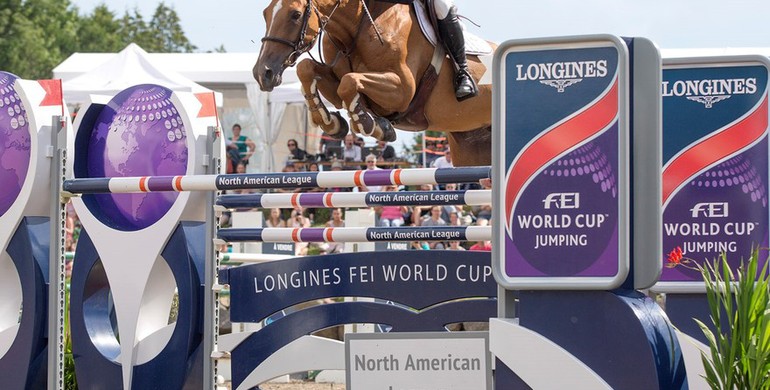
(130, 67)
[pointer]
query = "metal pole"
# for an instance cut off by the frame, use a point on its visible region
(424, 153)
(56, 289)
(214, 152)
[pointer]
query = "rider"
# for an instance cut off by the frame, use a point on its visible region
(451, 34)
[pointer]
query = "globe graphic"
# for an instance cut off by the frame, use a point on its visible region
(138, 133)
(14, 142)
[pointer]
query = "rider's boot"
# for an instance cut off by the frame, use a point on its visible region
(452, 35)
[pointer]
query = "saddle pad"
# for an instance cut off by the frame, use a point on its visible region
(474, 45)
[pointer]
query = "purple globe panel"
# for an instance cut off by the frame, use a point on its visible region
(138, 133)
(15, 142)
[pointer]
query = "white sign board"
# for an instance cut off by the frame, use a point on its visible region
(424, 360)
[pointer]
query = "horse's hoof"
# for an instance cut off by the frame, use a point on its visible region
(341, 124)
(388, 133)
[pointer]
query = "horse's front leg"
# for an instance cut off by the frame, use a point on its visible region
(389, 91)
(314, 78)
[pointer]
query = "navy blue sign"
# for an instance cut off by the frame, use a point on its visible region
(715, 163)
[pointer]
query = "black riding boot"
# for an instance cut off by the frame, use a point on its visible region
(452, 35)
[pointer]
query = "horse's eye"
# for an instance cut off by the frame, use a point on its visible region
(296, 15)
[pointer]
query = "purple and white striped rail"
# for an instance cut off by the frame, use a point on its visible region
(355, 199)
(356, 234)
(378, 177)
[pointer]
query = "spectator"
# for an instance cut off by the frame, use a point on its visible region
(420, 245)
(275, 219)
(454, 245)
(391, 215)
(434, 220)
(444, 161)
(351, 151)
(482, 245)
(419, 212)
(298, 220)
(244, 144)
(337, 167)
(295, 153)
(312, 167)
(371, 165)
(232, 155)
(387, 153)
(241, 169)
(336, 221)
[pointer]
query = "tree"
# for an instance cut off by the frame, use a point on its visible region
(166, 34)
(37, 36)
(100, 32)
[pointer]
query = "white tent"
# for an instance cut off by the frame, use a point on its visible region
(267, 122)
(130, 67)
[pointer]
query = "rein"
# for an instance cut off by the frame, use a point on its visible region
(299, 46)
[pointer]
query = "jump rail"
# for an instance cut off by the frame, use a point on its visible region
(378, 177)
(355, 199)
(355, 234)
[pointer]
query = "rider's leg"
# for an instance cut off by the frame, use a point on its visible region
(452, 35)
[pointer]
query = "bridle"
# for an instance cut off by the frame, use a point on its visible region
(300, 46)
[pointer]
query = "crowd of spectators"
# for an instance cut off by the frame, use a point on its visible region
(385, 216)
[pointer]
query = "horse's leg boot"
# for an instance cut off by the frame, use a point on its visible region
(451, 33)
(387, 133)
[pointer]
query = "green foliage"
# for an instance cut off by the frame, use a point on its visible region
(739, 355)
(70, 381)
(37, 35)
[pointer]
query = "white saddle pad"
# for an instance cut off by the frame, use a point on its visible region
(474, 45)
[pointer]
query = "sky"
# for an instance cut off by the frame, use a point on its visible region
(238, 24)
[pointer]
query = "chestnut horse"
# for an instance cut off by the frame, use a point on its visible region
(375, 58)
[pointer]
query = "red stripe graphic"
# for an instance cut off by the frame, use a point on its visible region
(295, 200)
(143, 184)
(714, 149)
(178, 182)
(295, 234)
(328, 200)
(328, 234)
(558, 140)
(397, 177)
(357, 178)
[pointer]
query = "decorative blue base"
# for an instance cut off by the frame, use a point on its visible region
(24, 366)
(95, 346)
(623, 336)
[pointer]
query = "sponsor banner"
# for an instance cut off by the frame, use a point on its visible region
(434, 233)
(424, 360)
(715, 164)
(563, 181)
(267, 180)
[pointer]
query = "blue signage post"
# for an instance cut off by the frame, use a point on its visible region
(577, 127)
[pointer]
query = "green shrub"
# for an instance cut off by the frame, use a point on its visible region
(739, 357)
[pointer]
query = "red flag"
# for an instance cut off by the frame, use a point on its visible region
(208, 105)
(53, 93)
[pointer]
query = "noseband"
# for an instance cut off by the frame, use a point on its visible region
(299, 46)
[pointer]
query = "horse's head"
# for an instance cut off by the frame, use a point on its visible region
(291, 27)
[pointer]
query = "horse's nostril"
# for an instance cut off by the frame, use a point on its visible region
(268, 73)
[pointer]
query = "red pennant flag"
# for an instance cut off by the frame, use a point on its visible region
(208, 105)
(53, 92)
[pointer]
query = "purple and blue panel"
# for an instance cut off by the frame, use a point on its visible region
(715, 165)
(562, 181)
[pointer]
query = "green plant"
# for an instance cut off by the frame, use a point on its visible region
(739, 346)
(70, 381)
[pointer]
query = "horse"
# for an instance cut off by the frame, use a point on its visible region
(378, 65)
